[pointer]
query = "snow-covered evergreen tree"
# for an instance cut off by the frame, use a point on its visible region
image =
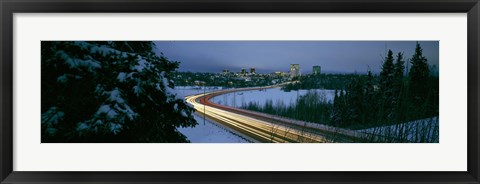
(109, 92)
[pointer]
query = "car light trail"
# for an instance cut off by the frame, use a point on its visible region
(257, 127)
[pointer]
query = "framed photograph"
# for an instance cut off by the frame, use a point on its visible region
(239, 92)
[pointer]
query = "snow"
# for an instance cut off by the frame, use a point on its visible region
(52, 115)
(157, 86)
(137, 90)
(98, 122)
(119, 105)
(115, 96)
(62, 78)
(115, 128)
(50, 118)
(82, 126)
(168, 90)
(99, 89)
(74, 62)
(127, 110)
(106, 109)
(210, 133)
(141, 65)
(130, 75)
(184, 114)
(114, 108)
(424, 130)
(110, 113)
(102, 50)
(260, 97)
(82, 44)
(122, 76)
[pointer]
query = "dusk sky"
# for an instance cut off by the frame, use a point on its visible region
(270, 56)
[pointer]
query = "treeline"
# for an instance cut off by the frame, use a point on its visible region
(394, 99)
(311, 107)
(368, 100)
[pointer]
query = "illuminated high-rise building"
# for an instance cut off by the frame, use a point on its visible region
(316, 70)
(252, 70)
(294, 70)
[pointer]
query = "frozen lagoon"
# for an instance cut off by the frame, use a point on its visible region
(260, 97)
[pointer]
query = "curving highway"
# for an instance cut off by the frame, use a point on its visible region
(263, 127)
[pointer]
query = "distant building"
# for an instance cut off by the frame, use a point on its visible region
(252, 71)
(294, 70)
(225, 71)
(279, 74)
(316, 70)
(243, 72)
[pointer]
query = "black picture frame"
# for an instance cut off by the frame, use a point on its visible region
(9, 7)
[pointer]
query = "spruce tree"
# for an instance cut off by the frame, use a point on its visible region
(109, 92)
(399, 67)
(370, 102)
(355, 102)
(419, 76)
(387, 73)
(398, 78)
(387, 79)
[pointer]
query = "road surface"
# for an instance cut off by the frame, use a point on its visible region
(266, 128)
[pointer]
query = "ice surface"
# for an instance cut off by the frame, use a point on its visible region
(238, 99)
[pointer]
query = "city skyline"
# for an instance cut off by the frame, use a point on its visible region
(273, 56)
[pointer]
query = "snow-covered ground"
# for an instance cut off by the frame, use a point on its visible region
(424, 130)
(210, 133)
(260, 97)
